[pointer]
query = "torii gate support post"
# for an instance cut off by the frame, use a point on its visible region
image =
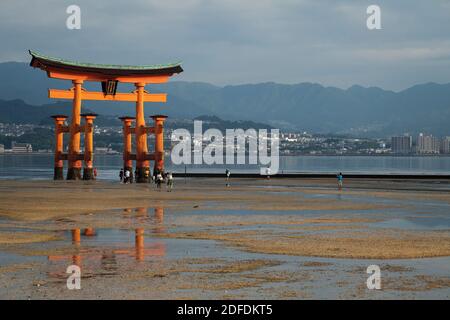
(127, 146)
(59, 146)
(88, 170)
(74, 171)
(142, 163)
(159, 143)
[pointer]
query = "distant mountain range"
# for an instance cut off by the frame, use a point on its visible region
(19, 112)
(305, 106)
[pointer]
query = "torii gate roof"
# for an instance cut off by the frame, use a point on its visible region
(108, 70)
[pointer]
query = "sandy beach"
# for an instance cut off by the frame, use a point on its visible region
(257, 238)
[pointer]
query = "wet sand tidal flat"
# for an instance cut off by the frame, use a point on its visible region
(257, 238)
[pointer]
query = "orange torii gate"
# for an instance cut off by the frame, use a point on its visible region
(109, 76)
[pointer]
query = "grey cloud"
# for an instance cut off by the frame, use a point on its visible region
(236, 41)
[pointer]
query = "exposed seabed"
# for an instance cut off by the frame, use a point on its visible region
(256, 238)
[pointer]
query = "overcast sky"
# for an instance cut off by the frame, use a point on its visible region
(243, 41)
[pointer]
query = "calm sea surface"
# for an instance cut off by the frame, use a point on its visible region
(40, 166)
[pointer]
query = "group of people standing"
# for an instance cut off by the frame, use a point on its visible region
(126, 176)
(160, 178)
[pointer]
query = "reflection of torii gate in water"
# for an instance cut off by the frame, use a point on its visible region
(109, 76)
(139, 252)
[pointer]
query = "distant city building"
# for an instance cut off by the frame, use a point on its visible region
(428, 144)
(2, 148)
(401, 144)
(445, 145)
(21, 147)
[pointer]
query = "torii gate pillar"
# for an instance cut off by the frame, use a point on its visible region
(159, 143)
(127, 144)
(88, 170)
(60, 128)
(142, 162)
(74, 171)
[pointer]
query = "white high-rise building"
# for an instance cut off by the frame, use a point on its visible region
(428, 144)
